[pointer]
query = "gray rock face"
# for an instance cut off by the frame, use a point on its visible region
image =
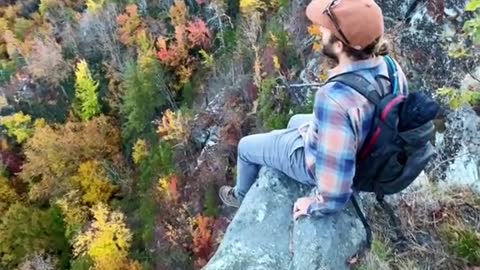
(462, 136)
(263, 235)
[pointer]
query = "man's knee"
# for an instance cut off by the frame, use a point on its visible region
(244, 145)
(296, 120)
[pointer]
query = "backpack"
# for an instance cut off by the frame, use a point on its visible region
(398, 146)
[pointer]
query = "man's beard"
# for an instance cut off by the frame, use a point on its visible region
(327, 50)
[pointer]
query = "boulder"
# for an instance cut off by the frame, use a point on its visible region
(263, 235)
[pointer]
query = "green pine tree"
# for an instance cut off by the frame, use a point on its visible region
(144, 87)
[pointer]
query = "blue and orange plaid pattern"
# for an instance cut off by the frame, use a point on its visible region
(341, 124)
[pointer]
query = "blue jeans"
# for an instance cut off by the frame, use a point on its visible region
(279, 149)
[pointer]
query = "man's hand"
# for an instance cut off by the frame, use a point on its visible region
(301, 206)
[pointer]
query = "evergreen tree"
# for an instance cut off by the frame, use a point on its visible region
(144, 87)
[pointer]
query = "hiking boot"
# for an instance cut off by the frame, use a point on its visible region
(227, 195)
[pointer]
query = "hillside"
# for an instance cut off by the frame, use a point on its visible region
(120, 121)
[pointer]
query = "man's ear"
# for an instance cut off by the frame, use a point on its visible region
(338, 47)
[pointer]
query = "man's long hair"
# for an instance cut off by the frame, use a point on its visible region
(379, 47)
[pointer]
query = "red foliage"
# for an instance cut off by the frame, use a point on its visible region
(198, 33)
(174, 54)
(11, 161)
(202, 240)
(163, 54)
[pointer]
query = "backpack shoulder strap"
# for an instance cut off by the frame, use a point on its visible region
(392, 74)
(359, 84)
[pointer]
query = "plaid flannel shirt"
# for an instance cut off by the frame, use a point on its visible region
(342, 121)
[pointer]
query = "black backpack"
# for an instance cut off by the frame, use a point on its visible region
(398, 146)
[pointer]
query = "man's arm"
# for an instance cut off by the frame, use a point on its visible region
(335, 156)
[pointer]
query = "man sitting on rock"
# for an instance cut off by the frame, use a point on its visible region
(320, 149)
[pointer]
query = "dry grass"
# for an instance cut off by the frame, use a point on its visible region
(441, 228)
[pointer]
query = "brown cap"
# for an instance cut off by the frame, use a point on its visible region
(361, 21)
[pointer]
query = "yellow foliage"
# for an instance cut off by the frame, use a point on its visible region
(276, 63)
(184, 73)
(106, 241)
(173, 126)
(18, 126)
(163, 183)
(314, 30)
(39, 123)
(459, 97)
(45, 5)
(249, 6)
(140, 151)
(75, 214)
(7, 195)
(273, 40)
(93, 180)
(54, 153)
(208, 59)
(10, 12)
(86, 92)
(179, 13)
(95, 5)
(168, 187)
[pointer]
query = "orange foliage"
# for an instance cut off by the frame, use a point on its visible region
(168, 187)
(173, 188)
(179, 13)
(314, 31)
(203, 240)
(129, 24)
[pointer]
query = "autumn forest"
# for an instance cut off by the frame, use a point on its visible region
(103, 159)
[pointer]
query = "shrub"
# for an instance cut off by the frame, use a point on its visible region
(464, 243)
